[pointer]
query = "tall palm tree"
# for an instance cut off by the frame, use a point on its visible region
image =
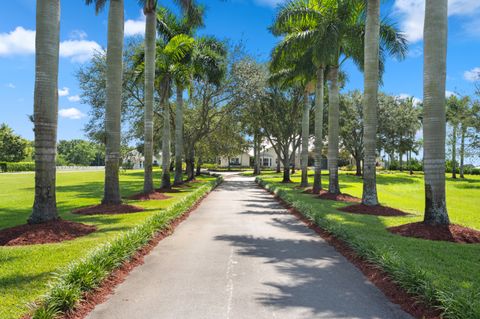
(149, 9)
(46, 109)
(370, 102)
(113, 97)
(338, 25)
(434, 75)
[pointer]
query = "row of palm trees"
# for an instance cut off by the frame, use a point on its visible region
(318, 37)
(174, 58)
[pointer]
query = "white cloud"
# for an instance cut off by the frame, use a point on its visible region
(412, 14)
(79, 50)
(10, 85)
(74, 98)
(415, 52)
(403, 96)
(135, 27)
(63, 92)
(78, 34)
(71, 113)
(472, 75)
(22, 41)
(18, 41)
(449, 94)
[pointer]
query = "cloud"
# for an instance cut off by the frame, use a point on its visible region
(22, 42)
(78, 34)
(403, 96)
(412, 14)
(10, 85)
(18, 41)
(135, 27)
(415, 52)
(79, 50)
(74, 98)
(472, 75)
(71, 113)
(63, 92)
(449, 94)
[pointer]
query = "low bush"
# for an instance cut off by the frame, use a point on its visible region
(68, 285)
(17, 166)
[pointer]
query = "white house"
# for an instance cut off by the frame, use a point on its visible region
(268, 159)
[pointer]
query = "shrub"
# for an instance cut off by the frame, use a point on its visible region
(17, 166)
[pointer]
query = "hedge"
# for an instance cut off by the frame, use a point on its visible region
(69, 285)
(17, 166)
(454, 304)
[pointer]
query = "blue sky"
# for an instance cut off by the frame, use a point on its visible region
(83, 32)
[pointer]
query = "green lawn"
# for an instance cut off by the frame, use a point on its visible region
(449, 266)
(25, 270)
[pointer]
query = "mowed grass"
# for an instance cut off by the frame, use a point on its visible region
(26, 270)
(455, 267)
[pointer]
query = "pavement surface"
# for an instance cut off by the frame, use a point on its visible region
(241, 255)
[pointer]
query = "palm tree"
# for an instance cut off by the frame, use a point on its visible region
(434, 74)
(149, 9)
(113, 97)
(370, 102)
(46, 109)
(336, 28)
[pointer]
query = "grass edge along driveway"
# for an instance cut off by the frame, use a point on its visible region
(26, 270)
(442, 274)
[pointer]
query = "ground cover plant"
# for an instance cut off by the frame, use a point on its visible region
(445, 274)
(26, 270)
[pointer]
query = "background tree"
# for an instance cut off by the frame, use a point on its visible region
(435, 51)
(352, 125)
(79, 152)
(13, 148)
(45, 109)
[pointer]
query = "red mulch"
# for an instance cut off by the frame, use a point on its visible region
(453, 233)
(339, 197)
(377, 210)
(104, 209)
(167, 190)
(375, 275)
(50, 232)
(106, 288)
(149, 196)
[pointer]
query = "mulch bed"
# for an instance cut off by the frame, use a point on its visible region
(167, 190)
(453, 233)
(339, 197)
(377, 210)
(106, 288)
(50, 232)
(104, 209)
(375, 275)
(150, 196)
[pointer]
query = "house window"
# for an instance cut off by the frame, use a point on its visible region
(235, 161)
(266, 161)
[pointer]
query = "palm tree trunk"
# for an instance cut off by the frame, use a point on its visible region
(256, 163)
(150, 35)
(305, 134)
(166, 145)
(286, 165)
(454, 152)
(370, 106)
(435, 52)
(317, 179)
(333, 131)
(113, 102)
(45, 107)
(462, 150)
(179, 137)
(257, 156)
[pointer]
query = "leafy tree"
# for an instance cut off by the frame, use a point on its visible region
(45, 105)
(13, 148)
(352, 126)
(79, 152)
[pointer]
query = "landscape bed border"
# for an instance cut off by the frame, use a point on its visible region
(69, 285)
(455, 304)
